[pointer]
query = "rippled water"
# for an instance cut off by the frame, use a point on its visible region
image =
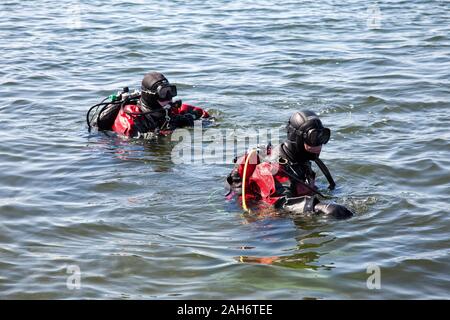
(139, 226)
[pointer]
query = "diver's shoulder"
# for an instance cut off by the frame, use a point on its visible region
(131, 108)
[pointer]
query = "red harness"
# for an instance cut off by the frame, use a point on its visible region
(263, 178)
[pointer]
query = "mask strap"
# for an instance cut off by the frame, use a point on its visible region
(148, 92)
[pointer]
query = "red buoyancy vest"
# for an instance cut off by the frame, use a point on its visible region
(125, 122)
(262, 180)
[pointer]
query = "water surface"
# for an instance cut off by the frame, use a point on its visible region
(139, 226)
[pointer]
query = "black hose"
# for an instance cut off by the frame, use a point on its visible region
(88, 122)
(326, 172)
(105, 104)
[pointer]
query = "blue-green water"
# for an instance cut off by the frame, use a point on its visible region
(139, 226)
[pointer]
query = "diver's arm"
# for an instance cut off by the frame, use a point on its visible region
(193, 110)
(184, 115)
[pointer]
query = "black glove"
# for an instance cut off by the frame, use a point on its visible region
(332, 209)
(182, 120)
(305, 204)
(297, 205)
(176, 104)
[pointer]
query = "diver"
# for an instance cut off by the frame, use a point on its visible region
(144, 113)
(282, 177)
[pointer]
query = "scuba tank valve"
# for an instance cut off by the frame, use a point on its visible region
(130, 96)
(125, 94)
(119, 94)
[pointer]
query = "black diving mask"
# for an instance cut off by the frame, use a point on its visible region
(164, 91)
(316, 136)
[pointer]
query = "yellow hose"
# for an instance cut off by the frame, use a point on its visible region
(244, 180)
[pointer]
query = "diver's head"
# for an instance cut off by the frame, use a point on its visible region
(306, 135)
(156, 91)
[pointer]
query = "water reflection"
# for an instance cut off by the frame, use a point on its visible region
(310, 239)
(155, 151)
